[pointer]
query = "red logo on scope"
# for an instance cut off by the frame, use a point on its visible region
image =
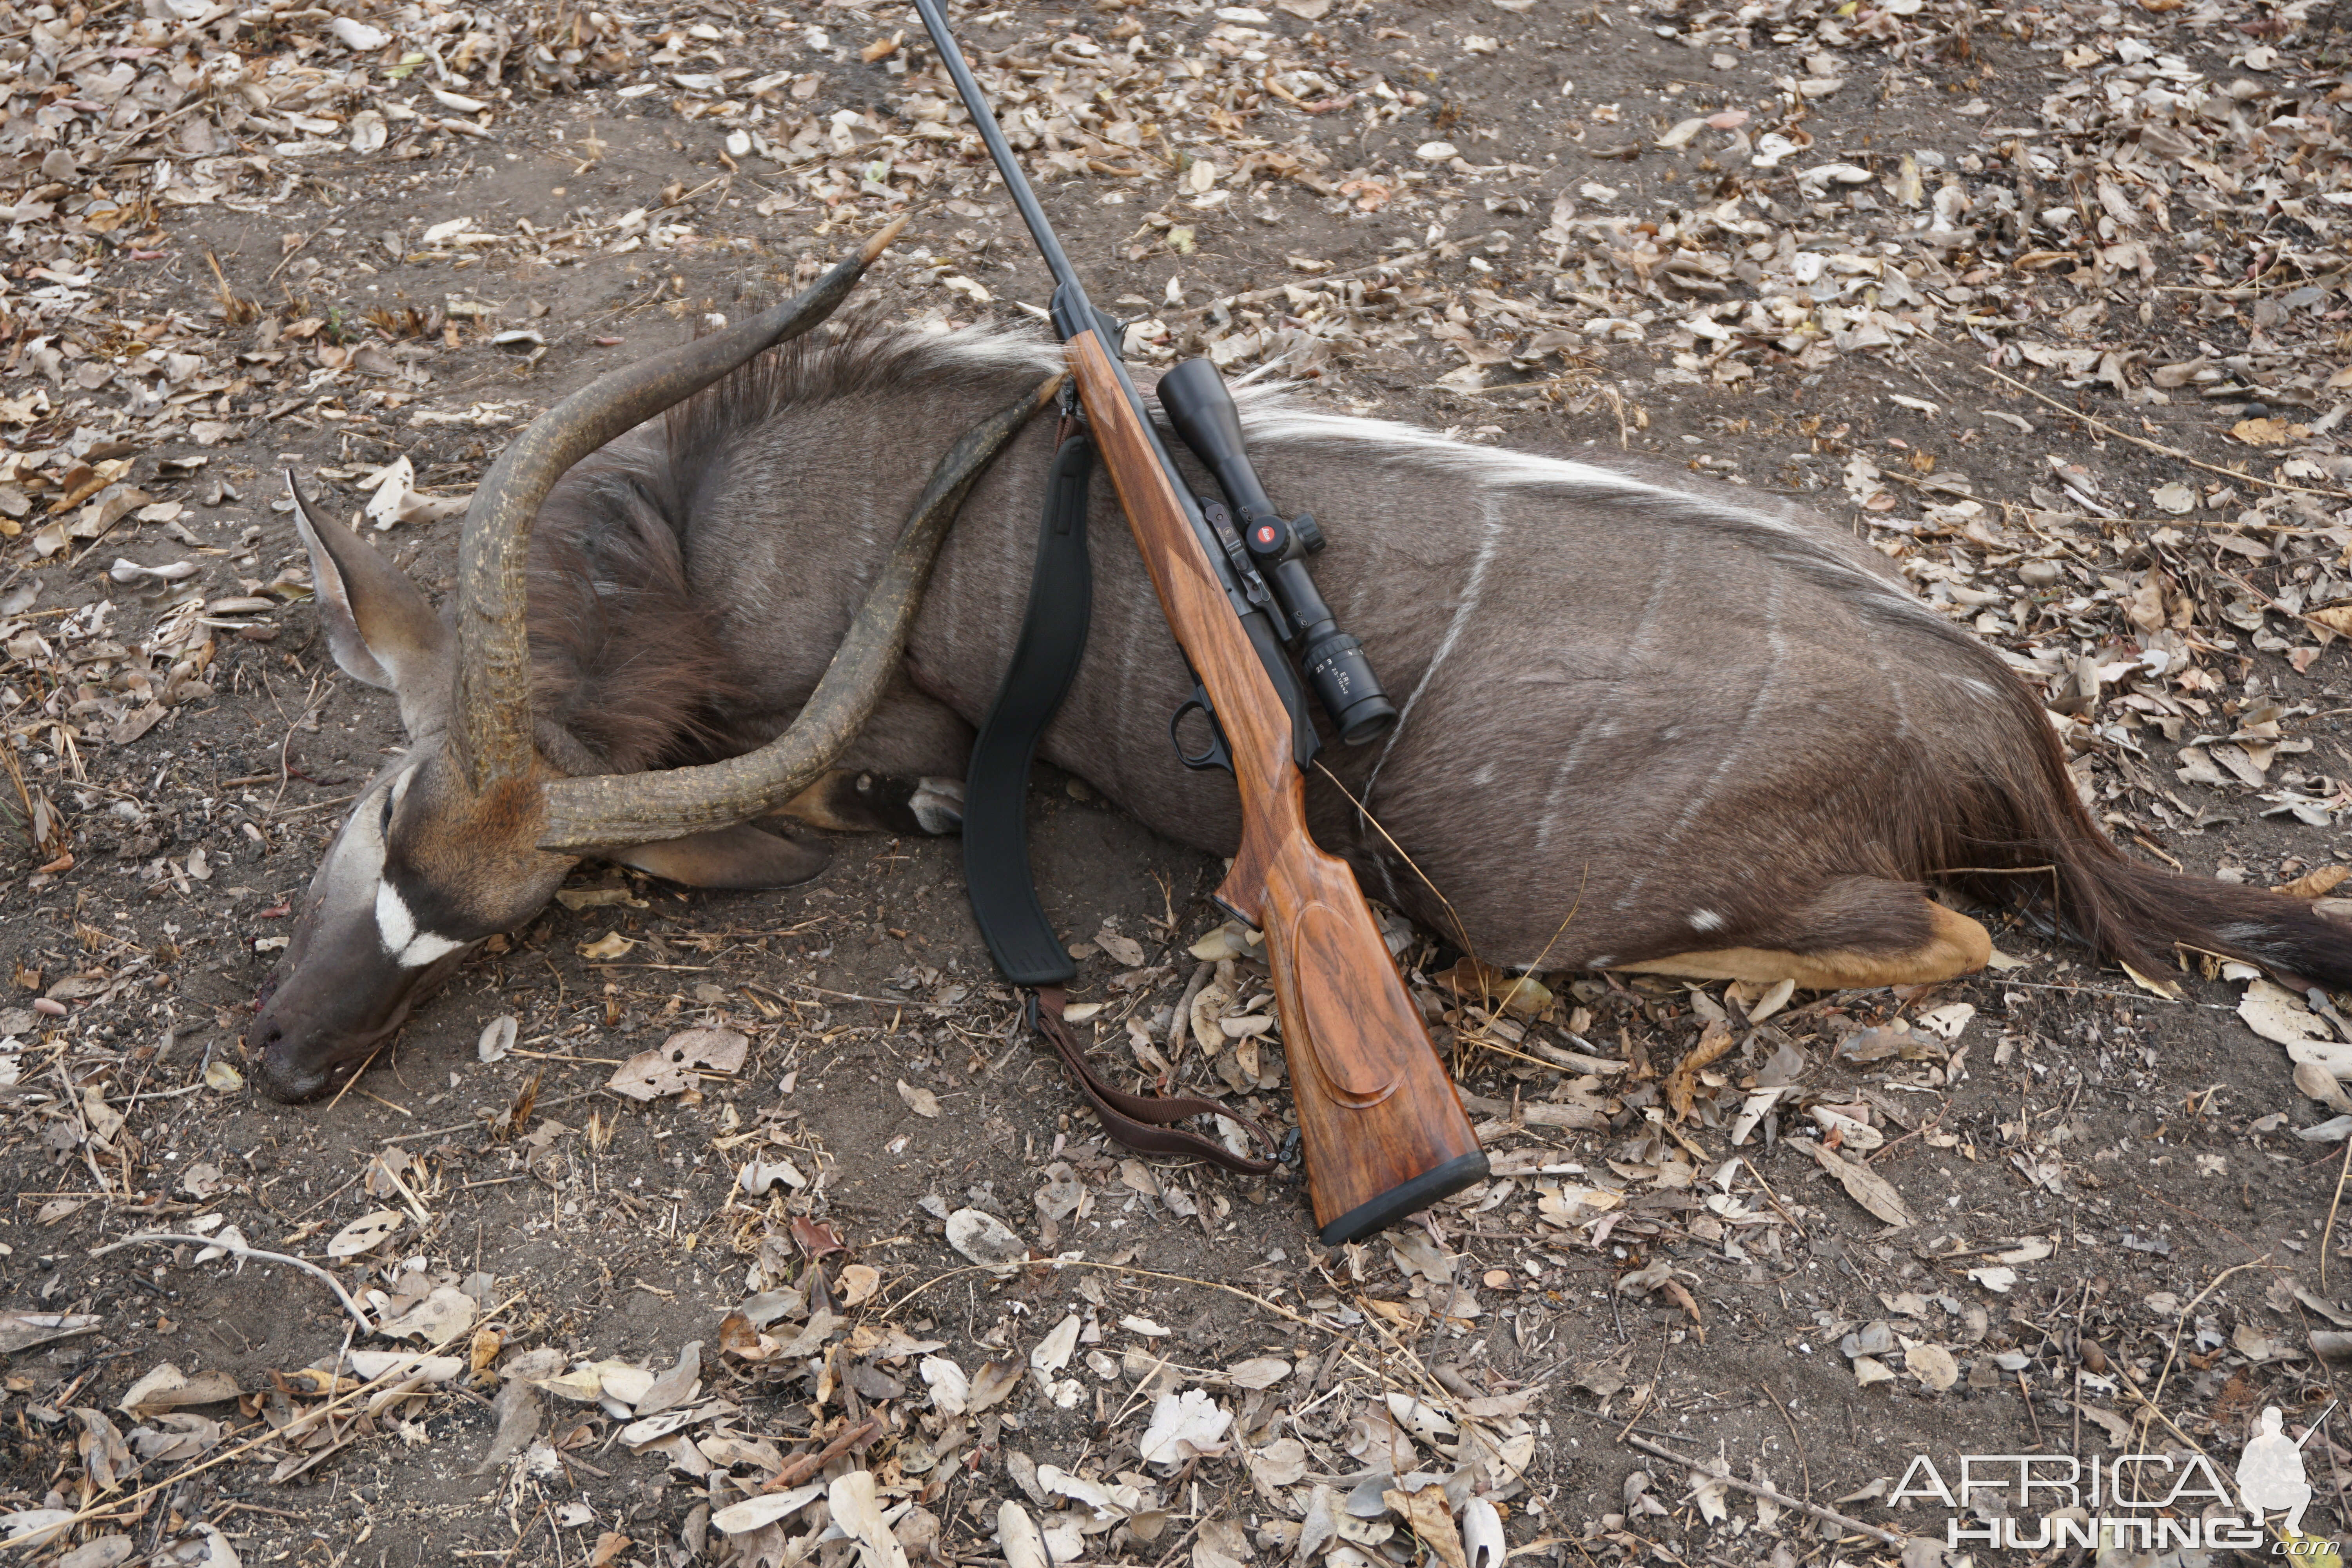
(1265, 533)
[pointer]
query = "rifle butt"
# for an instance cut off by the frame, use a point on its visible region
(1381, 1126)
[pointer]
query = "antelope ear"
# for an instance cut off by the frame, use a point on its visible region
(382, 630)
(741, 857)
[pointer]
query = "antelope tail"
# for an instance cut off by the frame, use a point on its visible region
(2123, 909)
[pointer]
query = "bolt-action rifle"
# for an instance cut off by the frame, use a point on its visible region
(1381, 1126)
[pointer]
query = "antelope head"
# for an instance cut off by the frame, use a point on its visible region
(470, 830)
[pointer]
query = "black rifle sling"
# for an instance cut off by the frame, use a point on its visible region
(996, 787)
(996, 826)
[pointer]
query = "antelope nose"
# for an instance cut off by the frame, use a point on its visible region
(276, 1072)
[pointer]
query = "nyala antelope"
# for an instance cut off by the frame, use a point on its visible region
(1645, 725)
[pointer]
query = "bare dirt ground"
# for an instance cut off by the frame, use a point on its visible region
(2047, 300)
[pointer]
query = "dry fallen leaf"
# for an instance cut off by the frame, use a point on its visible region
(1183, 1425)
(677, 1064)
(1053, 1353)
(2268, 432)
(440, 1318)
(168, 1388)
(950, 1387)
(1426, 1514)
(611, 945)
(1017, 1538)
(2317, 882)
(857, 1284)
(985, 1239)
(2276, 1013)
(2317, 1083)
(1682, 1084)
(1933, 1365)
(1865, 1186)
(858, 1512)
(741, 1518)
(1258, 1372)
(993, 1384)
(365, 1233)
(498, 1038)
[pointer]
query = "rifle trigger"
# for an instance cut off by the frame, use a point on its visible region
(1213, 755)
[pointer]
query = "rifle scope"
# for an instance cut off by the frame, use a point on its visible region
(1202, 412)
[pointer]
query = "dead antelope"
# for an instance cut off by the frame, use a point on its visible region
(1645, 725)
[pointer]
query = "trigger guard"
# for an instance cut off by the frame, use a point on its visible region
(1214, 756)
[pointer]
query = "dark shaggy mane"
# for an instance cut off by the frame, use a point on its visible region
(624, 664)
(864, 356)
(627, 670)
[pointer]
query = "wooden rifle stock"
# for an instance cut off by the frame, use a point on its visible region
(1383, 1127)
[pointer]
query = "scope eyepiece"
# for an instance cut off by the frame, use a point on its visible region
(1344, 682)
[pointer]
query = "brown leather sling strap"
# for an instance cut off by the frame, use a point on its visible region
(1140, 1120)
(995, 819)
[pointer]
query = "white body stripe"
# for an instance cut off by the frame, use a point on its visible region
(1472, 591)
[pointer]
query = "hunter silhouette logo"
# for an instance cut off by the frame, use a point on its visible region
(2270, 1472)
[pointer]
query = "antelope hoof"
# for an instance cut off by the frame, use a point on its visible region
(930, 806)
(936, 806)
(849, 802)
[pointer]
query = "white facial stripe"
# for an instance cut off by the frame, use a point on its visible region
(409, 948)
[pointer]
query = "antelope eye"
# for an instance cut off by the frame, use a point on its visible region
(383, 822)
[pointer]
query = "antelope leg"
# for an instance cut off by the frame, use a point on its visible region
(854, 800)
(738, 857)
(1954, 945)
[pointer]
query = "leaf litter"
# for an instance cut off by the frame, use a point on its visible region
(2082, 370)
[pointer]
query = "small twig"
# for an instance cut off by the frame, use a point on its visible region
(1547, 384)
(1772, 1197)
(1643, 1405)
(2327, 1235)
(115, 153)
(295, 252)
(1793, 1434)
(2175, 453)
(354, 1077)
(808, 1464)
(1258, 296)
(1460, 930)
(2187, 1313)
(240, 1249)
(1183, 1019)
(1723, 1475)
(111, 1508)
(1181, 1540)
(478, 1126)
(98, 539)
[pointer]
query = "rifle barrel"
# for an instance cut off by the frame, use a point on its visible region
(2314, 1430)
(935, 22)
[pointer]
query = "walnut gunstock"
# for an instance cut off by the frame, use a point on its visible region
(1383, 1127)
